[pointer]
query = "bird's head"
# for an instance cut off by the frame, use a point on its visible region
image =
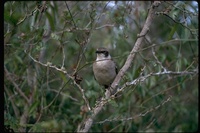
(102, 53)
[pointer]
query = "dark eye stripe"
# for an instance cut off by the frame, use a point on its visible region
(106, 53)
(102, 52)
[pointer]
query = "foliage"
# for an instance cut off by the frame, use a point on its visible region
(50, 46)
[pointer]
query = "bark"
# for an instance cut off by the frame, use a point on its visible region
(86, 124)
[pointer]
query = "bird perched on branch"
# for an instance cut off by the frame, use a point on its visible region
(104, 67)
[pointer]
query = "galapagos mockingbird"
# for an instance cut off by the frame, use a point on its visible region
(104, 68)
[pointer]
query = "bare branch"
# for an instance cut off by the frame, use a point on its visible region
(86, 125)
(65, 72)
(48, 64)
(136, 47)
(142, 78)
(154, 55)
(136, 116)
(83, 95)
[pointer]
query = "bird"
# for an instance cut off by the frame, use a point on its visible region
(104, 68)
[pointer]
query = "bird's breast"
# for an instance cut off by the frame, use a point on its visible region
(104, 71)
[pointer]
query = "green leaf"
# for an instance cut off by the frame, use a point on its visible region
(19, 59)
(114, 103)
(51, 21)
(13, 19)
(33, 107)
(172, 32)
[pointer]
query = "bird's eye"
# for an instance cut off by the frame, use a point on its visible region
(105, 53)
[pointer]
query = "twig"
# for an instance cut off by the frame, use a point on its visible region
(136, 116)
(70, 15)
(16, 86)
(183, 10)
(143, 78)
(56, 96)
(65, 72)
(86, 124)
(191, 30)
(49, 64)
(83, 95)
(154, 55)
(106, 25)
(72, 98)
(16, 111)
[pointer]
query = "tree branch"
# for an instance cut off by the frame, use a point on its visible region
(16, 86)
(49, 64)
(86, 125)
(139, 115)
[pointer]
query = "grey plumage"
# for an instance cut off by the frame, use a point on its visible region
(104, 67)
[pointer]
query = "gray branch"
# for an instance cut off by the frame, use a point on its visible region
(86, 124)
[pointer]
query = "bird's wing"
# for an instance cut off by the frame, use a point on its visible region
(116, 68)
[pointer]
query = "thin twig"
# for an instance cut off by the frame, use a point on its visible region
(16, 110)
(154, 55)
(83, 95)
(56, 96)
(16, 86)
(70, 15)
(136, 116)
(86, 124)
(65, 72)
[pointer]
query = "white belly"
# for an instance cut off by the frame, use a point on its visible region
(104, 72)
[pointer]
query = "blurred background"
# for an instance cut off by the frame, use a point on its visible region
(66, 34)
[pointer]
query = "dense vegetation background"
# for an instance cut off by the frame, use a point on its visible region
(49, 48)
